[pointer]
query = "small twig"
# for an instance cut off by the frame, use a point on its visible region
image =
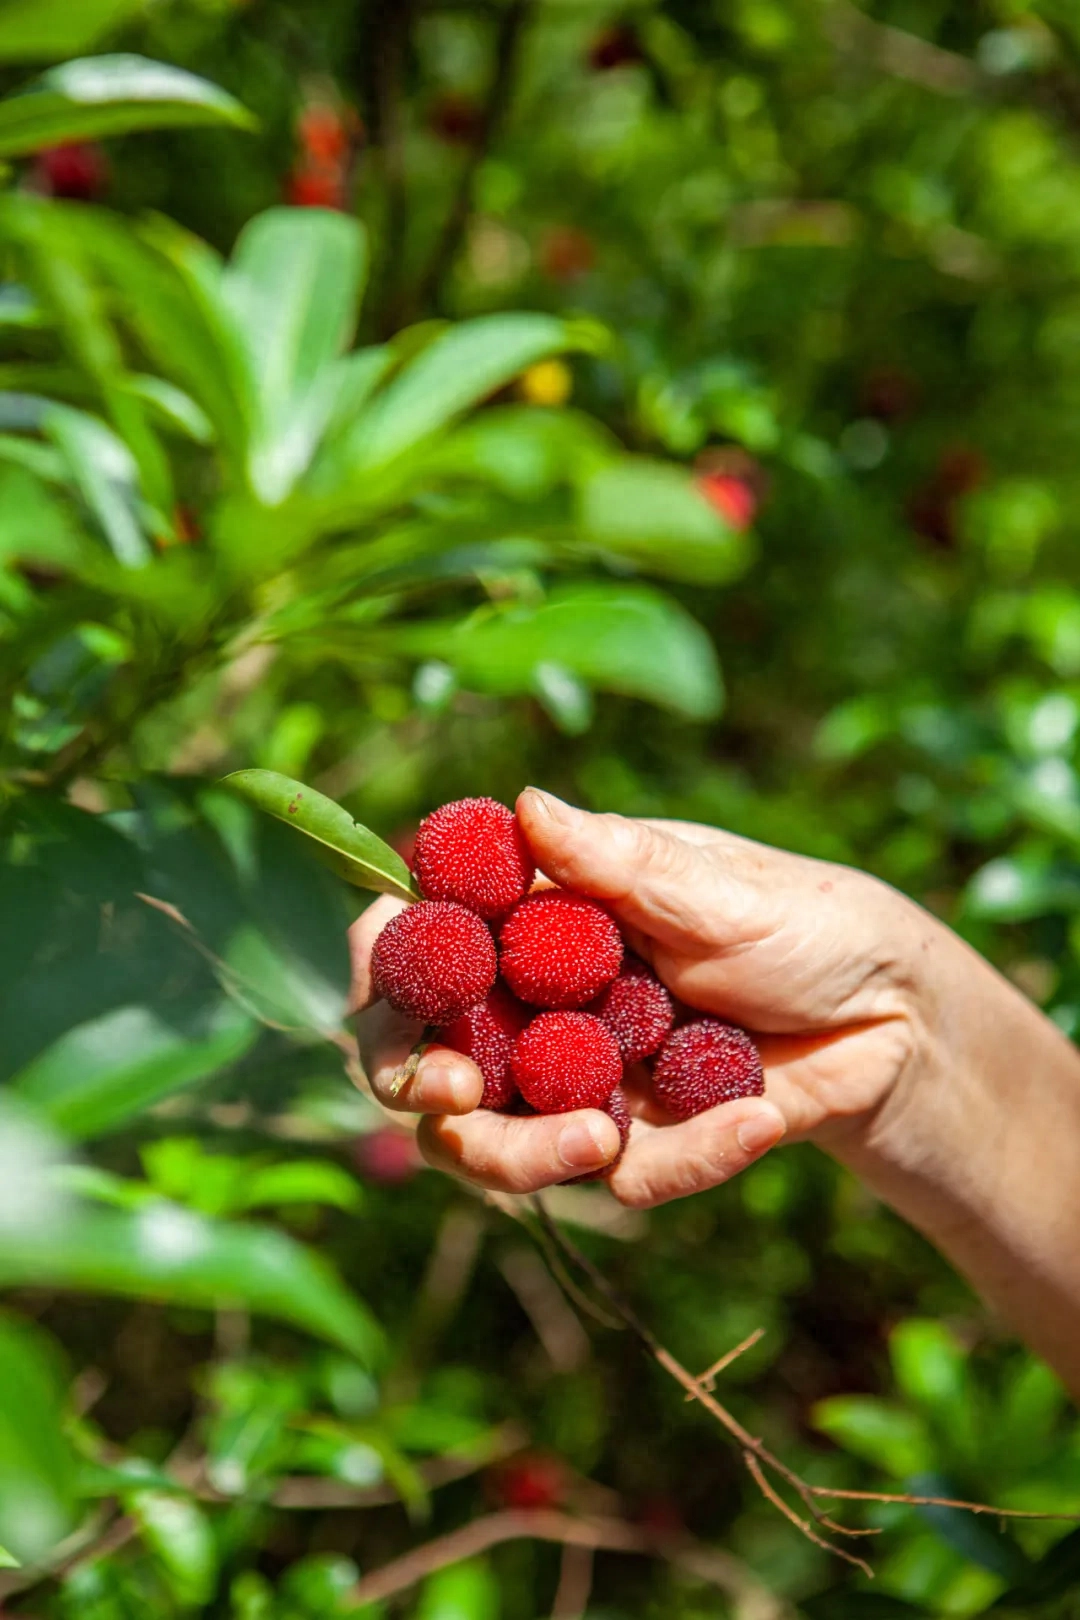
(900, 53)
(756, 1454)
(595, 1534)
(757, 1474)
(575, 1583)
(305, 1492)
(412, 1062)
(707, 1379)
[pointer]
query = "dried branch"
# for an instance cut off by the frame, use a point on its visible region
(305, 1492)
(895, 51)
(759, 1460)
(511, 31)
(594, 1534)
(575, 1583)
(707, 1379)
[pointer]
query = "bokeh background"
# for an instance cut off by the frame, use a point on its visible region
(674, 403)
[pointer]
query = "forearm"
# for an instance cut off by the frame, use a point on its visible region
(979, 1147)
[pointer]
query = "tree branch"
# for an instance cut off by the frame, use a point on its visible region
(508, 40)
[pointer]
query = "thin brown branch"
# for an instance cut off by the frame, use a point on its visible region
(758, 1475)
(304, 1493)
(707, 1379)
(512, 26)
(895, 51)
(594, 1534)
(575, 1583)
(756, 1455)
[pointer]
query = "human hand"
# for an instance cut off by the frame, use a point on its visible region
(818, 961)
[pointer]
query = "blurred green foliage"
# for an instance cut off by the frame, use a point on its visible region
(671, 401)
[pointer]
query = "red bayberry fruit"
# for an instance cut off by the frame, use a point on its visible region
(565, 1060)
(76, 170)
(472, 851)
(455, 119)
(534, 1480)
(617, 46)
(732, 497)
(434, 962)
(316, 188)
(616, 1109)
(706, 1063)
(322, 133)
(559, 949)
(637, 1009)
(389, 1156)
(566, 253)
(486, 1035)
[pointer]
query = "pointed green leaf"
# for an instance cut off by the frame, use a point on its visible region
(101, 1074)
(618, 638)
(352, 850)
(455, 372)
(162, 1251)
(651, 514)
(109, 95)
(37, 1467)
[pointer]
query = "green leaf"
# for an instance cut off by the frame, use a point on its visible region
(625, 639)
(301, 1181)
(294, 288)
(353, 852)
(105, 473)
(467, 1591)
(974, 1537)
(1055, 1575)
(179, 1534)
(46, 30)
(101, 1074)
(883, 1434)
(37, 1466)
(929, 1363)
(650, 513)
(110, 95)
(455, 372)
(162, 1251)
(8, 1560)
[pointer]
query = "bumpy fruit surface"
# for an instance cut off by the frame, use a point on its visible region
(472, 851)
(559, 950)
(616, 1108)
(434, 962)
(566, 1060)
(486, 1034)
(706, 1063)
(637, 1009)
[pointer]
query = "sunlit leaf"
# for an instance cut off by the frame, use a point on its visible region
(354, 852)
(623, 639)
(101, 1074)
(37, 1467)
(109, 95)
(878, 1431)
(179, 1534)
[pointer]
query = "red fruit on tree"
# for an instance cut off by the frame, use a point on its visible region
(615, 47)
(322, 134)
(316, 188)
(616, 1109)
(559, 949)
(472, 851)
(533, 1480)
(637, 1009)
(388, 1156)
(566, 1060)
(434, 961)
(732, 497)
(565, 253)
(706, 1063)
(487, 1034)
(75, 170)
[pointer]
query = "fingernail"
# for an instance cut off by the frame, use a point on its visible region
(579, 1149)
(549, 805)
(762, 1130)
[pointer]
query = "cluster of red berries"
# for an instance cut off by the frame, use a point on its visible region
(537, 988)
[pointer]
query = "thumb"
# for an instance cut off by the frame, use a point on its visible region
(651, 878)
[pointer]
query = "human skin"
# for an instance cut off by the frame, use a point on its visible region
(885, 1040)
